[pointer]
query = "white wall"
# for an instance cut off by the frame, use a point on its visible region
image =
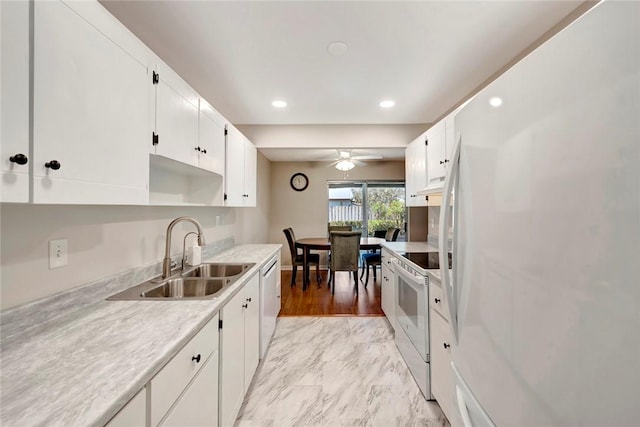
(307, 211)
(104, 240)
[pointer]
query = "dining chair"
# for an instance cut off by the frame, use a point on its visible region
(331, 228)
(345, 252)
(298, 259)
(375, 259)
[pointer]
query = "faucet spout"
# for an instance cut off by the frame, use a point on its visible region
(166, 262)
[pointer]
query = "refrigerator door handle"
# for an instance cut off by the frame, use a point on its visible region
(462, 408)
(448, 285)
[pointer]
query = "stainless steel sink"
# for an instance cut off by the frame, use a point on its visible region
(187, 288)
(205, 281)
(217, 270)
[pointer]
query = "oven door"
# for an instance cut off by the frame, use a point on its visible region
(412, 314)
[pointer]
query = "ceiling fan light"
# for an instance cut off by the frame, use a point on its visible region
(345, 165)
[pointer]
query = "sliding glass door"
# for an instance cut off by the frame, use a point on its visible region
(369, 206)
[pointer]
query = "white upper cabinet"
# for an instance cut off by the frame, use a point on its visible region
(211, 125)
(176, 117)
(240, 175)
(90, 107)
(14, 87)
(436, 156)
(416, 171)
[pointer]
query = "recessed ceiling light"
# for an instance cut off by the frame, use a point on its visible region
(337, 48)
(387, 104)
(495, 102)
(279, 104)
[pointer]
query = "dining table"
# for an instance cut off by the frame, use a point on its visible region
(324, 244)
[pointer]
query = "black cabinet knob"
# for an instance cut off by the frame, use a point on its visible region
(245, 305)
(446, 346)
(446, 160)
(248, 299)
(204, 151)
(53, 164)
(196, 358)
(437, 300)
(442, 162)
(197, 148)
(20, 159)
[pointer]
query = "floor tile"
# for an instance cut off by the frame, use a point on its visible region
(335, 371)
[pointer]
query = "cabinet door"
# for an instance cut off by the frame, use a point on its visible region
(436, 154)
(409, 165)
(251, 329)
(90, 107)
(442, 385)
(250, 173)
(420, 170)
(234, 173)
(232, 359)
(133, 414)
(14, 84)
(176, 117)
(211, 139)
(198, 405)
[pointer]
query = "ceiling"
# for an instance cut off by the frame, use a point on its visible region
(427, 56)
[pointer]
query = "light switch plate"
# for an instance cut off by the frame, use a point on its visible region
(58, 253)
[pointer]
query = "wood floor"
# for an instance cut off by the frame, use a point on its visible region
(320, 302)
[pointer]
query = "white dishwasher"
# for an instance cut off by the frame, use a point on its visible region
(270, 302)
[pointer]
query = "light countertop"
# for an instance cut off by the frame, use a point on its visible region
(77, 359)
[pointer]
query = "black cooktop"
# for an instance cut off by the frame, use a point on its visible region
(426, 260)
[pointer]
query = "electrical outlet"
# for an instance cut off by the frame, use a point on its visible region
(58, 253)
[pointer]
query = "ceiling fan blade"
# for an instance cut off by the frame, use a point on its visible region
(334, 163)
(358, 162)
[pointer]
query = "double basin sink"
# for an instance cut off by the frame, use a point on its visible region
(204, 281)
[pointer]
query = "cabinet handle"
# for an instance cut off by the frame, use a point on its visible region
(198, 149)
(442, 162)
(249, 299)
(204, 151)
(245, 305)
(196, 358)
(446, 346)
(53, 164)
(446, 160)
(20, 159)
(437, 300)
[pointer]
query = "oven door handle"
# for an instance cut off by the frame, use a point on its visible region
(449, 286)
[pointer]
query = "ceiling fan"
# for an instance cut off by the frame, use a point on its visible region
(346, 161)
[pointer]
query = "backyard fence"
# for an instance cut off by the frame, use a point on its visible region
(345, 213)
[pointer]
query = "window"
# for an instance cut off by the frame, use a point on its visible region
(367, 205)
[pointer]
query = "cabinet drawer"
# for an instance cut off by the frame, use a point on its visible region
(436, 300)
(167, 385)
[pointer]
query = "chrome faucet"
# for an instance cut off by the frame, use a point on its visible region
(166, 262)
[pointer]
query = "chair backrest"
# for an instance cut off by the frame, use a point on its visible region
(380, 233)
(291, 239)
(392, 234)
(345, 250)
(332, 228)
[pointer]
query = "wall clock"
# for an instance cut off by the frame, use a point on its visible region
(299, 181)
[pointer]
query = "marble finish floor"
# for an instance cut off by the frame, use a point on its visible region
(335, 371)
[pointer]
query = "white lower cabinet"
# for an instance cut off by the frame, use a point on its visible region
(134, 414)
(186, 388)
(240, 345)
(198, 405)
(442, 380)
(388, 288)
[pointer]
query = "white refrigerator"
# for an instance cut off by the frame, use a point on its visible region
(544, 295)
